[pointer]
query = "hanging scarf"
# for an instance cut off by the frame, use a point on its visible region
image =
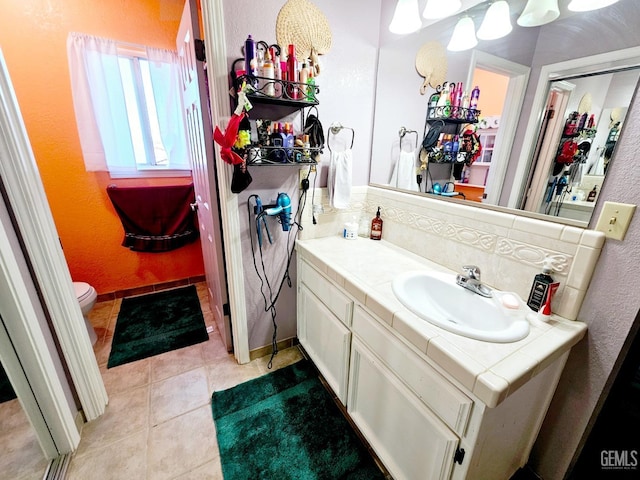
(228, 139)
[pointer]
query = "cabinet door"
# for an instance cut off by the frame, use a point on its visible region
(326, 340)
(409, 439)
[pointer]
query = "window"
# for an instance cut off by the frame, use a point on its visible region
(128, 108)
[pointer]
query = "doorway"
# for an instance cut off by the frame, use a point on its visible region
(516, 77)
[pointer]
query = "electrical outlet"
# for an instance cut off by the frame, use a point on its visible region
(614, 219)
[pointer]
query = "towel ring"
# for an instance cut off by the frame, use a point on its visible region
(334, 129)
(403, 131)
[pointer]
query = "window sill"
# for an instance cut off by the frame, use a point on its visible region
(151, 173)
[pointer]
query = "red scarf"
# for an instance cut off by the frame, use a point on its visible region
(227, 140)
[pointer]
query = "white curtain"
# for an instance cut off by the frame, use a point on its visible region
(99, 103)
(165, 78)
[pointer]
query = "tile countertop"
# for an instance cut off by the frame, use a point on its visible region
(492, 371)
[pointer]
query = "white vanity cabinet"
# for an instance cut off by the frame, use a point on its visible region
(324, 317)
(419, 419)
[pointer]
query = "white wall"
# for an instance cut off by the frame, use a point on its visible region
(347, 86)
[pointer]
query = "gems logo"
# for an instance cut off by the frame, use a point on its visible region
(619, 459)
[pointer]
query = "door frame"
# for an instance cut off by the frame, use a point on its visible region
(215, 45)
(25, 194)
(514, 98)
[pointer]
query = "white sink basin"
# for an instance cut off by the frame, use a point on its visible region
(436, 298)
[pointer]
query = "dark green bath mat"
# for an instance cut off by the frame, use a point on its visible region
(6, 390)
(156, 323)
(285, 425)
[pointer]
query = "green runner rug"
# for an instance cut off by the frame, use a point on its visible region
(159, 322)
(285, 425)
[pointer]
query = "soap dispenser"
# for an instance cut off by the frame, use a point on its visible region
(376, 227)
(540, 287)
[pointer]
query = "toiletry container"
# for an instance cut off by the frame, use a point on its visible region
(87, 297)
(376, 227)
(540, 287)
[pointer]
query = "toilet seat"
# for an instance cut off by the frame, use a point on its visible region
(83, 290)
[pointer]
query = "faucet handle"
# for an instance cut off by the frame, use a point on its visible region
(472, 271)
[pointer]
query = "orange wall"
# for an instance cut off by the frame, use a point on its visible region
(493, 87)
(33, 36)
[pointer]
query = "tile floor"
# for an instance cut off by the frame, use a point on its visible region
(158, 423)
(21, 457)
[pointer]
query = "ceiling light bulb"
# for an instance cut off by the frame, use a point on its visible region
(464, 36)
(497, 22)
(587, 5)
(539, 12)
(406, 18)
(436, 9)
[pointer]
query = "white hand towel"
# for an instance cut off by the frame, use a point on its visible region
(339, 179)
(404, 173)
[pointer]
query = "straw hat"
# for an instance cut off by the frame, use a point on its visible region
(585, 104)
(431, 63)
(302, 24)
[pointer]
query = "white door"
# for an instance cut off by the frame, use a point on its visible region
(199, 131)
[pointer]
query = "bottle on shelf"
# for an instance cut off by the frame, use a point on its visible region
(269, 74)
(473, 103)
(249, 55)
(292, 71)
(592, 194)
(311, 87)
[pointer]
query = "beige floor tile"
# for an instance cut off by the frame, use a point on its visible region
(182, 444)
(177, 395)
(282, 359)
(227, 373)
(175, 362)
(209, 471)
(126, 459)
(214, 349)
(102, 348)
(125, 414)
(127, 376)
(21, 455)
(100, 314)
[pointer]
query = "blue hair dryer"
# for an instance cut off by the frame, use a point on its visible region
(283, 209)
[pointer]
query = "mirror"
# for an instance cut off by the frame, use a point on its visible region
(530, 60)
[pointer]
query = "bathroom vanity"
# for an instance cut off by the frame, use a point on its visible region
(432, 404)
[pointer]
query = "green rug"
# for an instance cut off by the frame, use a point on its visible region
(285, 425)
(6, 390)
(156, 323)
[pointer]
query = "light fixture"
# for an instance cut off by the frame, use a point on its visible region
(586, 5)
(406, 18)
(497, 22)
(539, 12)
(464, 36)
(436, 9)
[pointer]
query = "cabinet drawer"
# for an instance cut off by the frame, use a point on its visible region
(336, 301)
(443, 398)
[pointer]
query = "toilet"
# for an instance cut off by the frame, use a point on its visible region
(87, 297)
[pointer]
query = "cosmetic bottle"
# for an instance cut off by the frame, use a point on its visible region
(277, 76)
(311, 87)
(249, 55)
(473, 103)
(592, 194)
(540, 287)
(292, 72)
(269, 74)
(376, 227)
(304, 73)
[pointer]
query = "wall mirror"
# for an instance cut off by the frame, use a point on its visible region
(528, 66)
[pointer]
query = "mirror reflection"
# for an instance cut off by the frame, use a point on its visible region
(587, 56)
(582, 123)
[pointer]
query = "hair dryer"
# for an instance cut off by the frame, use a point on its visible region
(283, 209)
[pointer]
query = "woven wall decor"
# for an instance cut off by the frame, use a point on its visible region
(585, 104)
(302, 24)
(431, 63)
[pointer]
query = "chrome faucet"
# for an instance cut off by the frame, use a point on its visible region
(471, 281)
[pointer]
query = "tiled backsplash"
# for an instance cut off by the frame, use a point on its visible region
(509, 249)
